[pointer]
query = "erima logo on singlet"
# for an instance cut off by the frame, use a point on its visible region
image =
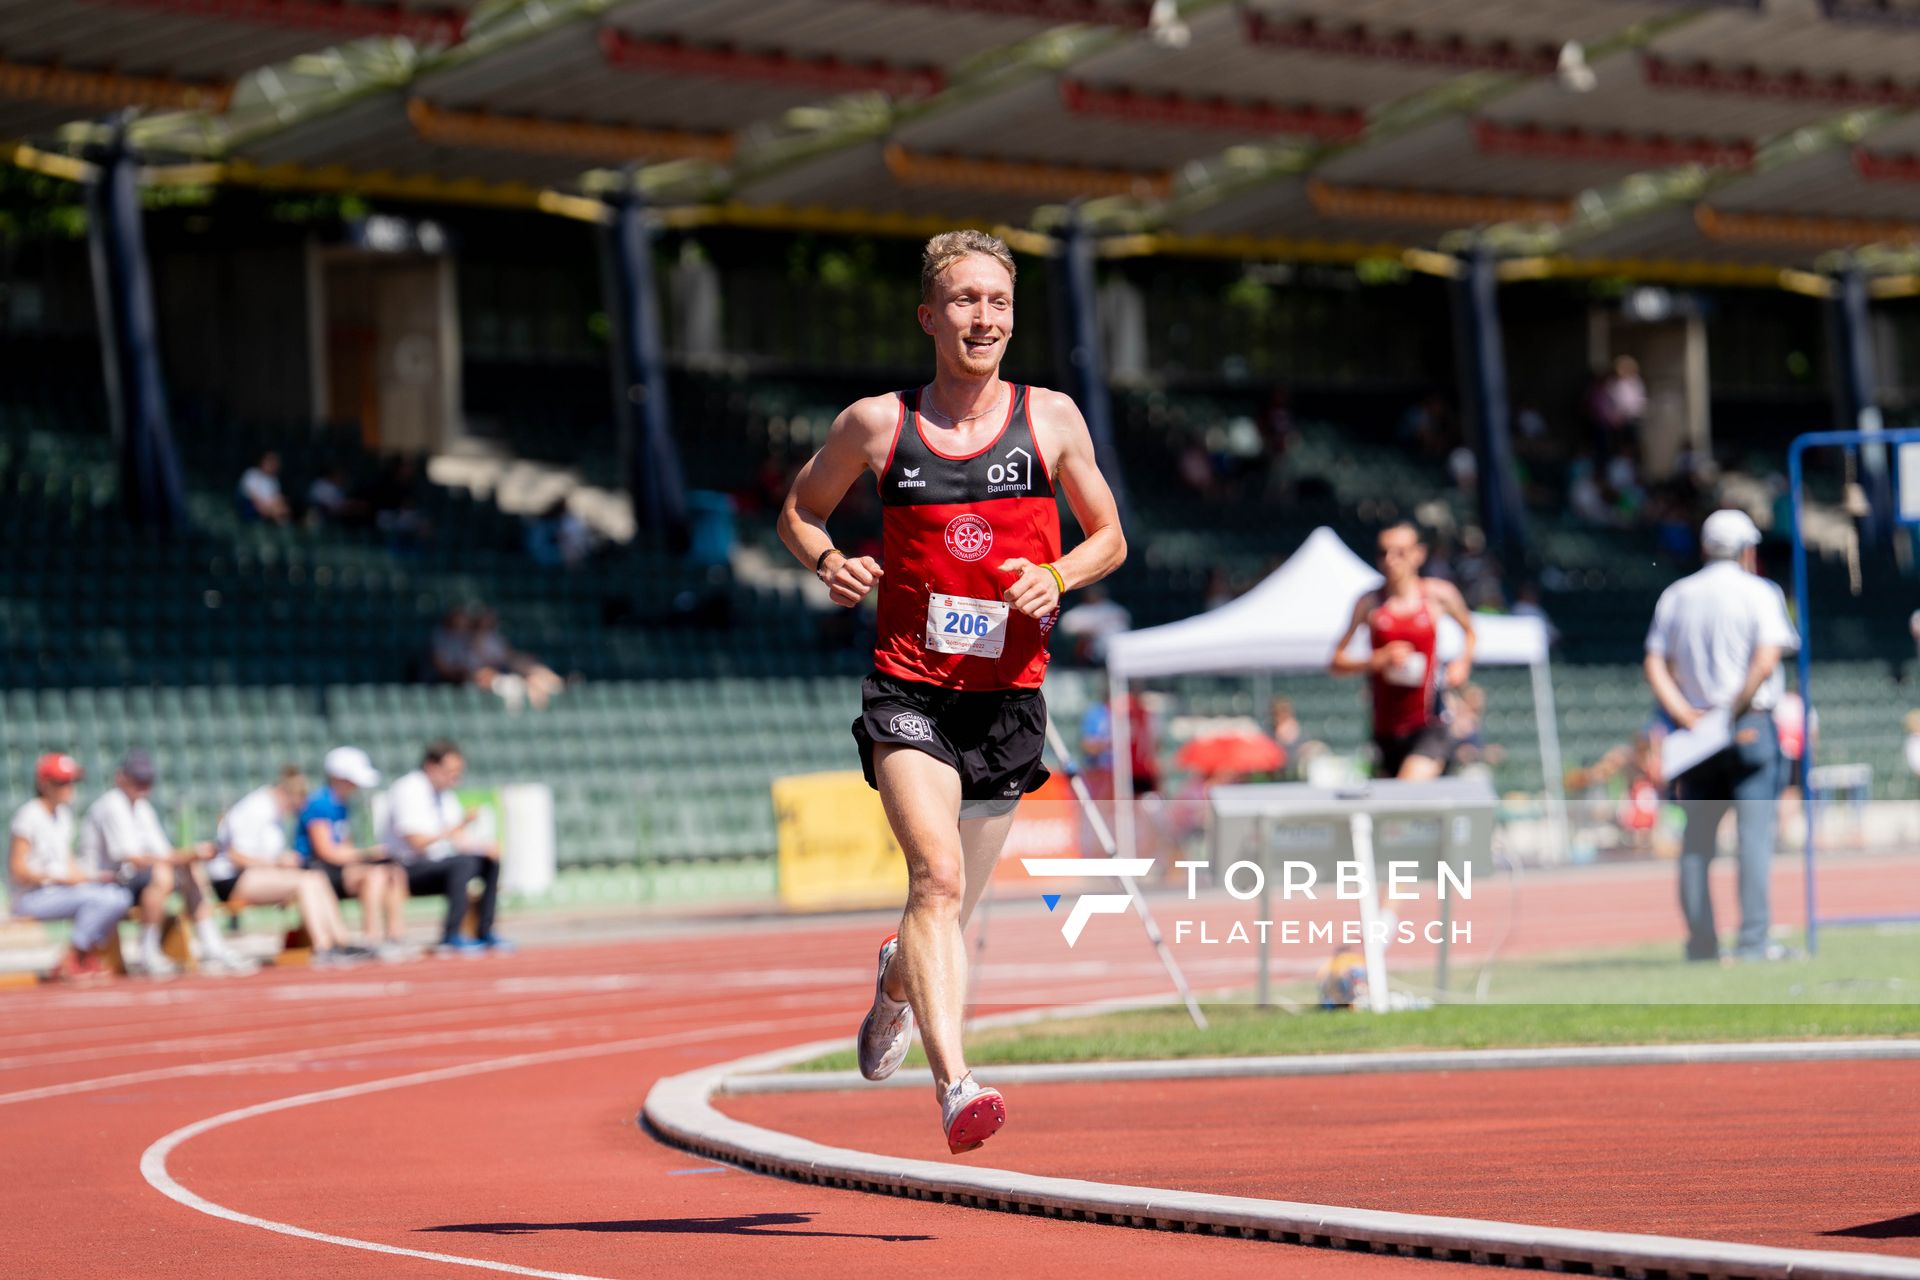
(910, 482)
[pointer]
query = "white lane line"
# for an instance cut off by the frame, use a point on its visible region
(268, 1061)
(153, 1161)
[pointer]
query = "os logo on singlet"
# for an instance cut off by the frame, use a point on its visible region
(969, 537)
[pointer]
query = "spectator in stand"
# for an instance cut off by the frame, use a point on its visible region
(450, 654)
(1300, 750)
(330, 500)
(47, 884)
(396, 504)
(1584, 497)
(121, 831)
(1619, 407)
(1424, 426)
(558, 538)
(433, 837)
(1091, 622)
(259, 495)
(323, 837)
(254, 864)
(505, 671)
(1195, 468)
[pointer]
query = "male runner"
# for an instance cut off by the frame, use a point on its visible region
(1408, 733)
(952, 720)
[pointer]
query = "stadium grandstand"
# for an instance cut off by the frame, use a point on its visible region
(1304, 264)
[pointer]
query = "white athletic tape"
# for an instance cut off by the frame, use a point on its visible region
(153, 1161)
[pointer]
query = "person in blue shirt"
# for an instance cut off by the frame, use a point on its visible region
(323, 837)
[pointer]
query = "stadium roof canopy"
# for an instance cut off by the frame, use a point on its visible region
(1715, 140)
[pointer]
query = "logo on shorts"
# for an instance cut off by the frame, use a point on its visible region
(912, 725)
(969, 537)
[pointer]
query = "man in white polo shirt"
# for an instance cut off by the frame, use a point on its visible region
(432, 836)
(122, 832)
(1715, 646)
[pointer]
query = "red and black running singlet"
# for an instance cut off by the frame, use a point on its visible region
(1403, 694)
(948, 523)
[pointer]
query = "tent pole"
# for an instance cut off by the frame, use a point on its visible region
(1547, 720)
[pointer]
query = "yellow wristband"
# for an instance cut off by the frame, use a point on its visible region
(1058, 581)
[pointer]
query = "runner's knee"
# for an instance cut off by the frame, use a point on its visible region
(936, 886)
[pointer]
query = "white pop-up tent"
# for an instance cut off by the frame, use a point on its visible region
(1290, 622)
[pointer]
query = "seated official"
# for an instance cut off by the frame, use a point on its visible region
(122, 831)
(323, 837)
(46, 882)
(432, 836)
(253, 863)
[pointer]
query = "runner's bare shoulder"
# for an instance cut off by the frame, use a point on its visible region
(868, 425)
(1057, 422)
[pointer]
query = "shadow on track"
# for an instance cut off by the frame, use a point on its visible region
(751, 1224)
(1906, 1227)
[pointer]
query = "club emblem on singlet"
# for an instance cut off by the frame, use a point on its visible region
(969, 537)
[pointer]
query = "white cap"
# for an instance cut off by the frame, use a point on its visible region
(1728, 532)
(350, 764)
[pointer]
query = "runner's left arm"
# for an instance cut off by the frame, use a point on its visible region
(1077, 475)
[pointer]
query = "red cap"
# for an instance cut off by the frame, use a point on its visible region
(57, 767)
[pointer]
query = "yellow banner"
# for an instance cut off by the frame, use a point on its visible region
(836, 849)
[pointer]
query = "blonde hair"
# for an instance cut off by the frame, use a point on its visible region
(949, 247)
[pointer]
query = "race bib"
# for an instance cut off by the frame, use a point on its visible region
(1409, 672)
(961, 624)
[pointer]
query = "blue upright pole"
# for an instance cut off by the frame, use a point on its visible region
(1795, 453)
(1077, 335)
(642, 409)
(1483, 386)
(150, 488)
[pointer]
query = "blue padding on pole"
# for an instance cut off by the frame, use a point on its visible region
(151, 492)
(1082, 359)
(1483, 385)
(642, 407)
(1796, 453)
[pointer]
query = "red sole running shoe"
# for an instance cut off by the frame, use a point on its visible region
(974, 1123)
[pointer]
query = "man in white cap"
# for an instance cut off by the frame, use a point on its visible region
(323, 837)
(1715, 646)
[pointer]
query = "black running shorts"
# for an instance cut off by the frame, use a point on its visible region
(993, 738)
(1430, 740)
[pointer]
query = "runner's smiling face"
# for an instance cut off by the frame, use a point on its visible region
(970, 316)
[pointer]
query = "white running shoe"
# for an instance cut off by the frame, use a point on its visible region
(972, 1113)
(159, 966)
(887, 1031)
(393, 952)
(228, 964)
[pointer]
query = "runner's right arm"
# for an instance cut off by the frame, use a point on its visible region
(817, 490)
(1342, 665)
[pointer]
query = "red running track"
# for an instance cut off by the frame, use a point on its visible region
(1794, 1155)
(535, 1166)
(523, 1152)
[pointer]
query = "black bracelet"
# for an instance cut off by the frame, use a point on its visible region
(823, 557)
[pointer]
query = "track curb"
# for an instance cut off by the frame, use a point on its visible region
(1348, 1064)
(679, 1110)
